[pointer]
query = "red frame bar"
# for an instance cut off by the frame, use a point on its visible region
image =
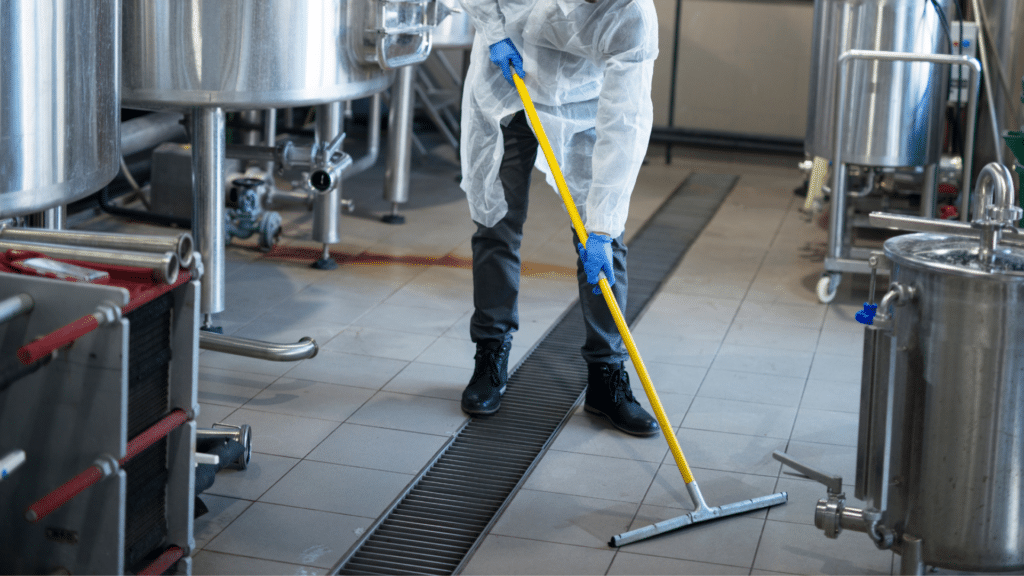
(91, 475)
(163, 562)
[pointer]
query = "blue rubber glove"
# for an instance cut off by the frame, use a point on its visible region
(597, 258)
(501, 53)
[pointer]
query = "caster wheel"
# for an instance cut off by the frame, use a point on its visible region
(243, 461)
(827, 287)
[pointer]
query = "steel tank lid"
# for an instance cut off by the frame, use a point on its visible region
(957, 255)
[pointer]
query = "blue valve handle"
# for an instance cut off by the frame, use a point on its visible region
(501, 53)
(867, 315)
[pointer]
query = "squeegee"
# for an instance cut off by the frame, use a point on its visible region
(702, 511)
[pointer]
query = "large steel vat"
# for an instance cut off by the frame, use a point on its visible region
(245, 54)
(59, 110)
(895, 108)
(956, 464)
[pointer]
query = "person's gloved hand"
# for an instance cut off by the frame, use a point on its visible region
(501, 53)
(597, 258)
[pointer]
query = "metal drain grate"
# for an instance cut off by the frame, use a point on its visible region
(436, 525)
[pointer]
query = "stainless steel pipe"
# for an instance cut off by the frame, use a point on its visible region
(396, 176)
(147, 131)
(180, 245)
(373, 145)
(305, 348)
(208, 203)
(11, 308)
(164, 266)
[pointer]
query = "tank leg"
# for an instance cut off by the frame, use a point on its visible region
(327, 204)
(208, 205)
(911, 560)
(396, 176)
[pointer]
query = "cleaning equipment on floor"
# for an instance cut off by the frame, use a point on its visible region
(703, 512)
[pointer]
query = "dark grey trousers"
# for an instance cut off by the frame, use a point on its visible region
(496, 262)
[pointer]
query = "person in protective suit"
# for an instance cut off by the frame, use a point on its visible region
(590, 68)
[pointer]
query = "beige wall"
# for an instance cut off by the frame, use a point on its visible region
(743, 66)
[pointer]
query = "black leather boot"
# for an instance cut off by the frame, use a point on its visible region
(483, 395)
(610, 395)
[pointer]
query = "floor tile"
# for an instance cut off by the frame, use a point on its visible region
(299, 536)
(222, 511)
(686, 351)
(836, 367)
(839, 396)
(348, 369)
(415, 319)
(432, 380)
(718, 488)
(382, 343)
(730, 452)
(587, 434)
(506, 555)
(455, 352)
(322, 486)
(563, 519)
(759, 360)
(803, 549)
(206, 562)
(281, 434)
(592, 476)
(264, 471)
(229, 388)
(310, 399)
(411, 413)
(802, 316)
(701, 542)
(749, 387)
(378, 448)
(766, 335)
(627, 563)
(738, 417)
(210, 414)
(826, 427)
(668, 378)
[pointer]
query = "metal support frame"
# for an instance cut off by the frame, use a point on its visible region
(208, 205)
(396, 176)
(835, 260)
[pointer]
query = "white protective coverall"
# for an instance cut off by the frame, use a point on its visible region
(588, 69)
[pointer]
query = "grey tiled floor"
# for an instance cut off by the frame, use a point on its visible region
(745, 359)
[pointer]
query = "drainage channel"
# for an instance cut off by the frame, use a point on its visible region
(434, 527)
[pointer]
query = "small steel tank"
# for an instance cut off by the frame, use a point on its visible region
(895, 109)
(247, 54)
(59, 108)
(957, 476)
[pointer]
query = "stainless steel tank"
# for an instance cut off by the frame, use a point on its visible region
(895, 112)
(245, 54)
(955, 476)
(59, 109)
(455, 31)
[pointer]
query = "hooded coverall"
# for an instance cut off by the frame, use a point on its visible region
(588, 69)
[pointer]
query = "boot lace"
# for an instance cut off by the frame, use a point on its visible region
(491, 364)
(618, 379)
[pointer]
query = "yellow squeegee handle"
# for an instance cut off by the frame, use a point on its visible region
(606, 291)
